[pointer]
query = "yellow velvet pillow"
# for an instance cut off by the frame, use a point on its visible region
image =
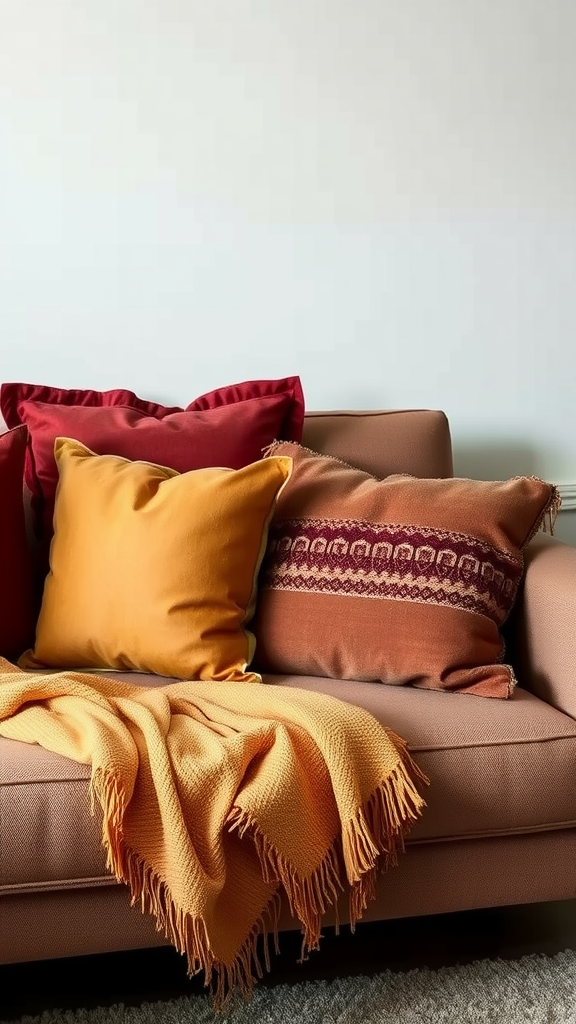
(153, 570)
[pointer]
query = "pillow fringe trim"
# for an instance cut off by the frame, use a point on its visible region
(547, 518)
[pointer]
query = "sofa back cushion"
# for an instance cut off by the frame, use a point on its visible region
(415, 441)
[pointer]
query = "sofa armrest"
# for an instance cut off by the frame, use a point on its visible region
(543, 630)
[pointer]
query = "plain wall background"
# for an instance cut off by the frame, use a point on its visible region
(379, 195)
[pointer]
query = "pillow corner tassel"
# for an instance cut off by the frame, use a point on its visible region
(546, 520)
(551, 511)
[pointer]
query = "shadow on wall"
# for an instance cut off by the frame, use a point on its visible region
(494, 460)
(565, 528)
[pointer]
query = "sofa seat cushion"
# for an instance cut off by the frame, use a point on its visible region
(48, 838)
(495, 768)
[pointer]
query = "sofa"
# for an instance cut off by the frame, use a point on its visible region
(499, 827)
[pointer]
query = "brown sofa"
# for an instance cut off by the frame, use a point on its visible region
(500, 825)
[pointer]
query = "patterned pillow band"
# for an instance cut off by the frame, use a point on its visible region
(399, 563)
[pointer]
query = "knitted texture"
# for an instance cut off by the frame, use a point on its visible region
(218, 799)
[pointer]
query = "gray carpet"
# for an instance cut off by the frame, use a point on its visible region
(536, 989)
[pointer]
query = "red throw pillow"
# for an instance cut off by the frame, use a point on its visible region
(16, 605)
(233, 393)
(229, 428)
(11, 395)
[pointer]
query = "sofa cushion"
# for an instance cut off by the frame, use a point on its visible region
(16, 606)
(154, 570)
(496, 768)
(228, 427)
(401, 580)
(384, 441)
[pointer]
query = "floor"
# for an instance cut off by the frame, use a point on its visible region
(159, 974)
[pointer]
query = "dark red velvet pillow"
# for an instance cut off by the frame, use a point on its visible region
(229, 427)
(16, 605)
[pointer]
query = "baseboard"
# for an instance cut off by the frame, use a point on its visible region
(568, 495)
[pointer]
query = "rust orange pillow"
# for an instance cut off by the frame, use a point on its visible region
(401, 580)
(153, 570)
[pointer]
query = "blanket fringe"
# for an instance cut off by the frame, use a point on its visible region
(105, 787)
(188, 935)
(369, 843)
(308, 897)
(373, 840)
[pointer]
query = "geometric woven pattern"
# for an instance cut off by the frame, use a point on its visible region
(398, 563)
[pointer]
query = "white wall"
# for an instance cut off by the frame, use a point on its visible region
(377, 194)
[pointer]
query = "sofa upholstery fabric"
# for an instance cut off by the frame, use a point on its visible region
(495, 768)
(415, 441)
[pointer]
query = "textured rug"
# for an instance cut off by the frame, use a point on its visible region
(536, 989)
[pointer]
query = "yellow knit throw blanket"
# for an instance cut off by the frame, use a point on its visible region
(219, 797)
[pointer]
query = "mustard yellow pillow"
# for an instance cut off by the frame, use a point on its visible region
(153, 570)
